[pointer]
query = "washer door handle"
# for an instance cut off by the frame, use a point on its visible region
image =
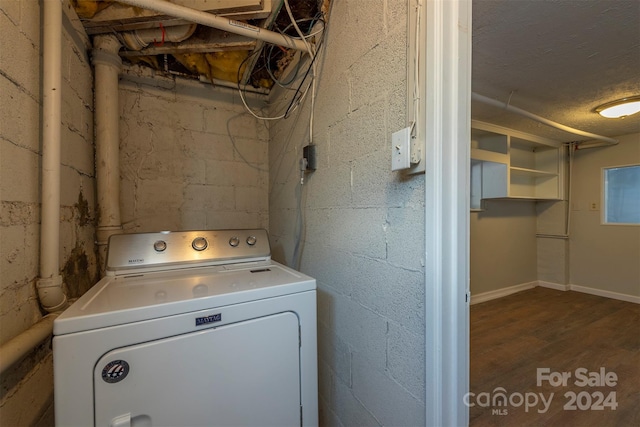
(121, 421)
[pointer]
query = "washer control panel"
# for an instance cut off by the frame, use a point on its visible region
(128, 252)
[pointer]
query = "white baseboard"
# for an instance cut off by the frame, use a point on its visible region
(606, 294)
(499, 293)
(552, 285)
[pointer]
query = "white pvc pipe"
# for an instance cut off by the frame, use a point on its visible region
(18, 347)
(49, 285)
(107, 65)
(219, 22)
(139, 39)
(508, 107)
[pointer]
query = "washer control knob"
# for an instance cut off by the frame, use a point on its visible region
(160, 246)
(199, 244)
(251, 240)
(234, 241)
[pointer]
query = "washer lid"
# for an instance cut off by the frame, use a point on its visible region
(125, 299)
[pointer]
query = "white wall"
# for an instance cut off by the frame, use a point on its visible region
(502, 245)
(364, 239)
(191, 157)
(603, 257)
(596, 258)
(553, 252)
(27, 388)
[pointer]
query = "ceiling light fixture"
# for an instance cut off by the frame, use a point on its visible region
(621, 108)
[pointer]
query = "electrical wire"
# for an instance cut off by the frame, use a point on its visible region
(267, 61)
(269, 50)
(297, 100)
(242, 98)
(295, 25)
(416, 68)
(299, 96)
(300, 220)
(244, 102)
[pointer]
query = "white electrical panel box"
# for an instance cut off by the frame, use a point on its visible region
(401, 149)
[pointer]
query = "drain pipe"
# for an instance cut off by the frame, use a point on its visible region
(107, 65)
(139, 39)
(18, 347)
(52, 297)
(219, 22)
(508, 107)
(49, 284)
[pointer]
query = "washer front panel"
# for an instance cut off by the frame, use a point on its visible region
(242, 374)
(76, 355)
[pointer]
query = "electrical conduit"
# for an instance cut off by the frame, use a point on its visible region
(107, 65)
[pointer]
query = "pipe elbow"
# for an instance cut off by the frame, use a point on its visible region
(51, 295)
(105, 51)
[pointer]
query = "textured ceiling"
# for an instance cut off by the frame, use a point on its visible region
(557, 59)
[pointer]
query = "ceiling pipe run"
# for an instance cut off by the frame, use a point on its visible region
(516, 110)
(139, 39)
(107, 65)
(219, 22)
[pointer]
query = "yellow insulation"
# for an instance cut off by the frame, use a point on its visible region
(194, 62)
(215, 65)
(224, 65)
(87, 9)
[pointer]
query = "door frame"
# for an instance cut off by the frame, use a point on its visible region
(447, 90)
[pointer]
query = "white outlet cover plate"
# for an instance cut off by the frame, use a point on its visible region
(401, 149)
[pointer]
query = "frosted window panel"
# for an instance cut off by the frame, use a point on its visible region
(622, 195)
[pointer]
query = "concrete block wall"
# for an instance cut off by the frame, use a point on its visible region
(27, 388)
(191, 157)
(363, 234)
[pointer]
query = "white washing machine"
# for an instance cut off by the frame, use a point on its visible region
(197, 328)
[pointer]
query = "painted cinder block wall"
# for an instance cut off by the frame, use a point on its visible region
(191, 156)
(364, 225)
(26, 390)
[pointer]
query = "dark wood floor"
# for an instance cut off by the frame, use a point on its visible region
(512, 337)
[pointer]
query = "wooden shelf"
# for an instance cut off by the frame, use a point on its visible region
(532, 172)
(508, 164)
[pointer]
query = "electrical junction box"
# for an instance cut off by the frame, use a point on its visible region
(401, 149)
(309, 153)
